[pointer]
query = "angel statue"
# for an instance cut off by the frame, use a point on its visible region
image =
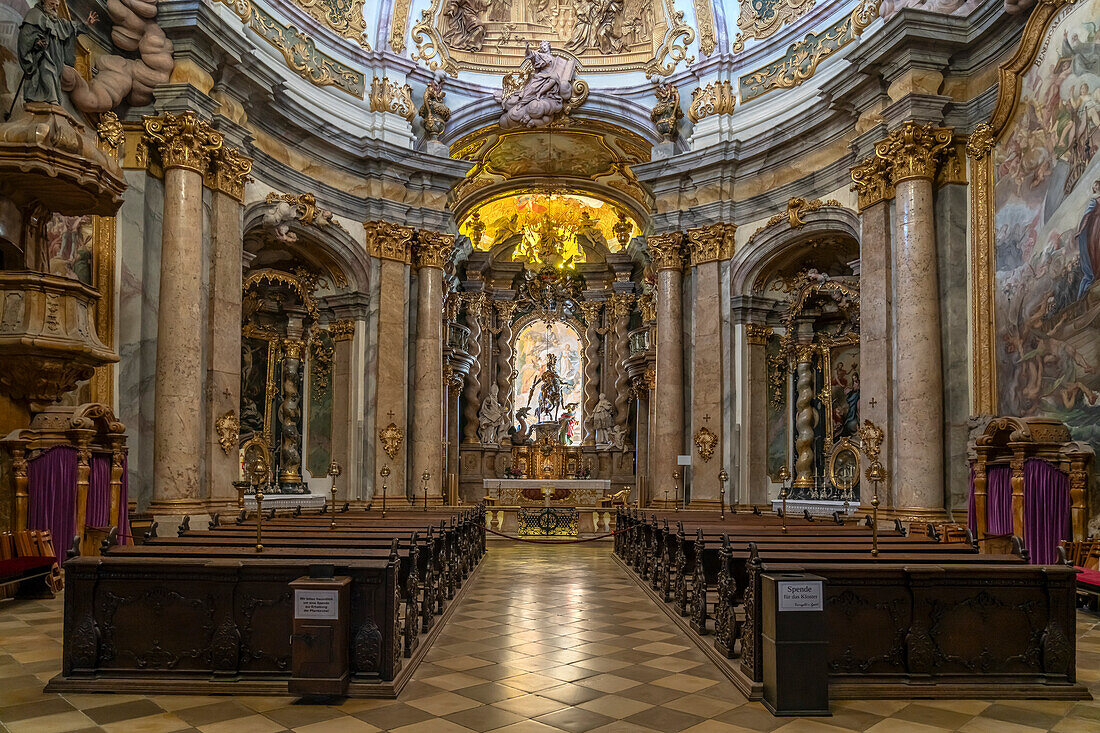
(551, 388)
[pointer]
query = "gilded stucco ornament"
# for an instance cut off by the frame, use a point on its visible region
(110, 130)
(343, 16)
(433, 110)
(716, 98)
(229, 431)
(392, 97)
(674, 48)
(342, 330)
(872, 182)
(796, 208)
(229, 172)
(756, 334)
(704, 19)
(463, 24)
(760, 20)
(391, 437)
(705, 442)
(389, 241)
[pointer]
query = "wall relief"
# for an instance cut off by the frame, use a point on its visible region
(492, 36)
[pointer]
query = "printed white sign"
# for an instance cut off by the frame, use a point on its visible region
(800, 595)
(316, 604)
(683, 460)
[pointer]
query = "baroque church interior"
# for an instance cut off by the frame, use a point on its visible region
(549, 365)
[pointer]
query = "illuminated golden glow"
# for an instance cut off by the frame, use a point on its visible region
(552, 228)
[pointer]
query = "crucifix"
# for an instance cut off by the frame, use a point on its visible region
(872, 402)
(390, 413)
(706, 418)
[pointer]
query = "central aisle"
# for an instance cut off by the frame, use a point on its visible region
(560, 635)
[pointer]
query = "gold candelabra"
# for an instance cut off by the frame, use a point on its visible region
(384, 473)
(334, 470)
(723, 477)
(675, 490)
(784, 477)
(870, 438)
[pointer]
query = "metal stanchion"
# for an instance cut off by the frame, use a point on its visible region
(870, 438)
(427, 477)
(723, 477)
(384, 473)
(675, 490)
(784, 476)
(334, 470)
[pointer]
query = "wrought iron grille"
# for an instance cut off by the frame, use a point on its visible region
(548, 521)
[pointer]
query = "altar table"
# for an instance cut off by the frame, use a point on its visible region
(574, 492)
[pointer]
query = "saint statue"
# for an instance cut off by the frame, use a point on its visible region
(547, 92)
(47, 44)
(603, 420)
(490, 416)
(550, 385)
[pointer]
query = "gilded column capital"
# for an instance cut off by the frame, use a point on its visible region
(432, 249)
(293, 348)
(228, 172)
(506, 309)
(914, 150)
(756, 334)
(618, 306)
(389, 241)
(711, 243)
(667, 250)
(342, 330)
(590, 311)
(871, 182)
(184, 140)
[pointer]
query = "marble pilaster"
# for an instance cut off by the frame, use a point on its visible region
(184, 143)
(226, 176)
(668, 437)
(754, 479)
(709, 245)
(431, 253)
(391, 243)
(343, 422)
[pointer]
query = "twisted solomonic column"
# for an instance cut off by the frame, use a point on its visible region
(804, 420)
(590, 311)
(290, 414)
(477, 312)
(618, 316)
(506, 372)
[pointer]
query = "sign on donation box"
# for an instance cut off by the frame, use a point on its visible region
(794, 644)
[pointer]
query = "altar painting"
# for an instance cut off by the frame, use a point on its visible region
(534, 343)
(844, 387)
(1047, 232)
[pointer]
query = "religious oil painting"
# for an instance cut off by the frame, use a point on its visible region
(844, 387)
(69, 242)
(535, 344)
(254, 378)
(1047, 228)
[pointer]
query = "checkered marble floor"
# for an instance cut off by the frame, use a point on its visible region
(546, 639)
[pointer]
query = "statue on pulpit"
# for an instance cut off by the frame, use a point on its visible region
(551, 387)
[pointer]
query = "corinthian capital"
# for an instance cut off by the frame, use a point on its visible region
(871, 182)
(711, 243)
(914, 150)
(389, 241)
(432, 248)
(228, 172)
(184, 140)
(667, 250)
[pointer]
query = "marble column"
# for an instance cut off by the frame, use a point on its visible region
(226, 178)
(431, 253)
(184, 143)
(392, 245)
(478, 313)
(668, 439)
(709, 246)
(641, 440)
(505, 370)
(590, 311)
(290, 407)
(913, 151)
(453, 382)
(876, 332)
(618, 317)
(805, 419)
(343, 419)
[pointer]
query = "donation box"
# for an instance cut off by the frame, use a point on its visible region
(319, 644)
(794, 644)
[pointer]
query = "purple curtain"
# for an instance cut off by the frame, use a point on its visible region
(99, 491)
(1046, 510)
(998, 501)
(51, 489)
